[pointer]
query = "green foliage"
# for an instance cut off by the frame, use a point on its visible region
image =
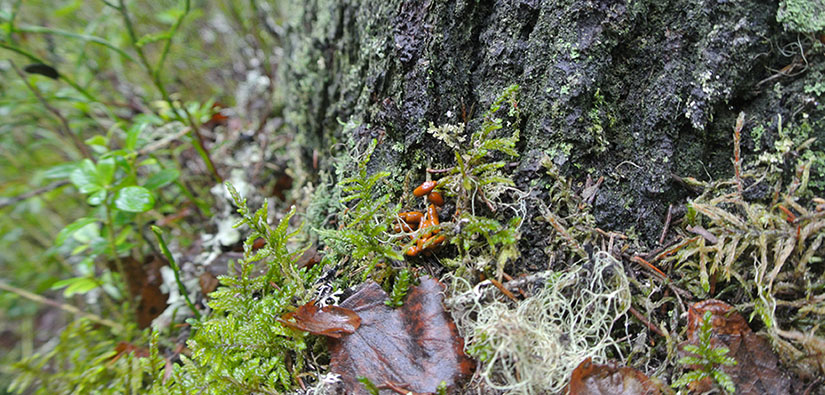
(85, 360)
(240, 348)
(114, 125)
(368, 385)
(119, 186)
(706, 359)
(364, 232)
(477, 179)
(765, 248)
(399, 289)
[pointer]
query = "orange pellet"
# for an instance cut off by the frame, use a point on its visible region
(412, 217)
(436, 241)
(413, 251)
(424, 188)
(398, 227)
(435, 197)
(432, 214)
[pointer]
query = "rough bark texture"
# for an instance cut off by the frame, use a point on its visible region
(635, 91)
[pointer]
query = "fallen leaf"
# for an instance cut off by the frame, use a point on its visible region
(592, 378)
(144, 281)
(757, 370)
(332, 321)
(208, 283)
(414, 347)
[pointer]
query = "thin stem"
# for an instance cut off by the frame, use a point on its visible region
(64, 129)
(168, 43)
(110, 236)
(63, 306)
(168, 254)
(32, 193)
(197, 138)
(84, 37)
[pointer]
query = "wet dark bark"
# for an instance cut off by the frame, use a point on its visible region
(636, 92)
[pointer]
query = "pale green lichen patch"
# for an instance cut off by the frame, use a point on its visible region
(804, 16)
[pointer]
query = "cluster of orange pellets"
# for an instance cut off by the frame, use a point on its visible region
(414, 220)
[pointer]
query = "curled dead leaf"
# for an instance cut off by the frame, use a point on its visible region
(415, 347)
(332, 321)
(593, 379)
(757, 370)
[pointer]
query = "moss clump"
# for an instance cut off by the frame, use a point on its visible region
(760, 244)
(240, 347)
(482, 192)
(87, 359)
(363, 234)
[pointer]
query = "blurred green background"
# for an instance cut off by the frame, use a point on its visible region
(137, 70)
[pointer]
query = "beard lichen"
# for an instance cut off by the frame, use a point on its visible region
(533, 345)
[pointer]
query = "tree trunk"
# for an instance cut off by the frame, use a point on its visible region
(637, 92)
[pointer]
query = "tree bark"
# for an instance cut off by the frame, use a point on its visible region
(636, 92)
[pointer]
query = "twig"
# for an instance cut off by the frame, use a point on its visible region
(675, 248)
(39, 191)
(667, 224)
(737, 159)
(447, 170)
(62, 306)
(650, 265)
(647, 323)
(503, 290)
(703, 232)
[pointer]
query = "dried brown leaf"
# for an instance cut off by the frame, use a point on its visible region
(757, 370)
(415, 347)
(332, 321)
(592, 378)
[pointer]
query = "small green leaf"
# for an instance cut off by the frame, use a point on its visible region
(96, 197)
(71, 228)
(76, 285)
(84, 177)
(63, 170)
(105, 171)
(135, 199)
(132, 136)
(88, 233)
(162, 178)
(97, 140)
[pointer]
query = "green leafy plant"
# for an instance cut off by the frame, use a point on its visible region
(87, 358)
(364, 233)
(119, 187)
(477, 180)
(240, 347)
(399, 289)
(706, 359)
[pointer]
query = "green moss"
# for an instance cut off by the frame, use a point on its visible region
(477, 181)
(364, 232)
(804, 16)
(708, 358)
(85, 359)
(762, 251)
(240, 347)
